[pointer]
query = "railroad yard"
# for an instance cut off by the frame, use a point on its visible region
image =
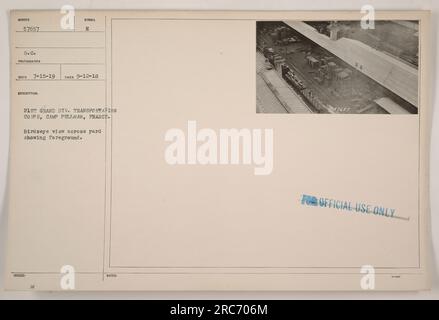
(327, 83)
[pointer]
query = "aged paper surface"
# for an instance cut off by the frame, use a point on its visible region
(218, 151)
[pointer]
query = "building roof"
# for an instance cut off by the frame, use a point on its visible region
(390, 106)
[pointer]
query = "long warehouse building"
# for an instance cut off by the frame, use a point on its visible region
(391, 73)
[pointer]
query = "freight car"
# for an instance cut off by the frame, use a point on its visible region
(300, 87)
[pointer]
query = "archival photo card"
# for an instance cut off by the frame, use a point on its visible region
(337, 67)
(138, 161)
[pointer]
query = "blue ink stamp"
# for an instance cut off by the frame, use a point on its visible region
(348, 206)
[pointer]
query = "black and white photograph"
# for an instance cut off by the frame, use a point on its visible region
(219, 158)
(337, 67)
